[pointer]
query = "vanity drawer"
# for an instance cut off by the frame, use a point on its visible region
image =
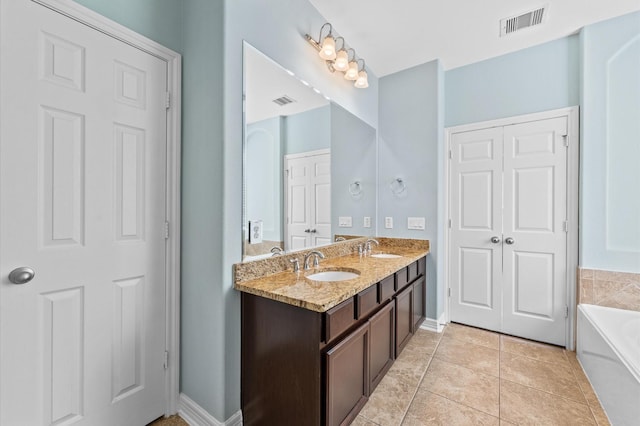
(412, 271)
(338, 319)
(402, 278)
(387, 288)
(366, 301)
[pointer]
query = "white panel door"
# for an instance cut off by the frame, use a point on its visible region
(298, 201)
(321, 184)
(535, 211)
(82, 196)
(308, 200)
(476, 218)
(508, 244)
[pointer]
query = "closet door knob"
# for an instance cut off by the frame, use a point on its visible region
(495, 240)
(509, 240)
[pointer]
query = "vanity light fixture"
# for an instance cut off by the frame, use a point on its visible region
(362, 82)
(339, 60)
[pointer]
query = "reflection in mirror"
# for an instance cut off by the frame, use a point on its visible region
(302, 155)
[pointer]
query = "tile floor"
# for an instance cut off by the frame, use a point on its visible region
(468, 376)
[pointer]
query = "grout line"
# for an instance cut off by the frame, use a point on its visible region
(586, 403)
(500, 378)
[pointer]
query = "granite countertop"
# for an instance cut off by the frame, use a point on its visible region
(295, 289)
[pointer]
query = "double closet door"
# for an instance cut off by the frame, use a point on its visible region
(508, 240)
(308, 199)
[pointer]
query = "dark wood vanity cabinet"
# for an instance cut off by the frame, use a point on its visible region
(310, 368)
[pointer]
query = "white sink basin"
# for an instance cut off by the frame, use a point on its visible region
(385, 256)
(333, 276)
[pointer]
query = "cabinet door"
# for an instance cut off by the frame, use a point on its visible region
(347, 377)
(419, 291)
(404, 318)
(382, 346)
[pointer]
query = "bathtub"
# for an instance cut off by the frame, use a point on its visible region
(608, 347)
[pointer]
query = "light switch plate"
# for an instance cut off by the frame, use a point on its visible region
(345, 222)
(367, 222)
(417, 223)
(388, 222)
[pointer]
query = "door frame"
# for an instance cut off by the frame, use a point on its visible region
(173, 59)
(573, 168)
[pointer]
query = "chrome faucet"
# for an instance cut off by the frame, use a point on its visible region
(367, 246)
(340, 239)
(316, 256)
(296, 264)
(276, 251)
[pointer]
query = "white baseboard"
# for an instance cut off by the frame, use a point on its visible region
(195, 415)
(432, 325)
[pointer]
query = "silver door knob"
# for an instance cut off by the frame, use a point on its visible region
(307, 230)
(21, 275)
(495, 240)
(313, 231)
(509, 240)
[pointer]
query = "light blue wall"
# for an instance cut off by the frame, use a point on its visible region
(610, 145)
(159, 20)
(263, 176)
(353, 157)
(409, 139)
(203, 370)
(308, 131)
(538, 78)
(277, 29)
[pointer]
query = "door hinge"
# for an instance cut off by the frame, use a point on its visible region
(166, 230)
(565, 140)
(450, 154)
(566, 311)
(167, 100)
(166, 359)
(449, 292)
(449, 223)
(565, 226)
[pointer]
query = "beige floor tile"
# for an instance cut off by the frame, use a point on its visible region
(473, 335)
(410, 366)
(479, 358)
(431, 409)
(583, 382)
(555, 378)
(600, 415)
(361, 421)
(174, 420)
(465, 386)
(527, 406)
(425, 341)
(389, 402)
(535, 350)
(505, 423)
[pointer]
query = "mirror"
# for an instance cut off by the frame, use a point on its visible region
(309, 165)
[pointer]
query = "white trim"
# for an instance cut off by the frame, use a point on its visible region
(573, 165)
(308, 154)
(174, 77)
(195, 415)
(430, 324)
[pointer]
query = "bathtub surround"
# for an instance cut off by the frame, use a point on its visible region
(608, 350)
(609, 288)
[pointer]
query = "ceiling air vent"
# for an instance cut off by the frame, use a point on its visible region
(526, 20)
(283, 100)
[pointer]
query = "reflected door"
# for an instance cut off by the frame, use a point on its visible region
(508, 235)
(308, 200)
(82, 190)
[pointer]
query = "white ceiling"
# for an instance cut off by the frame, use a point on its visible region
(265, 81)
(392, 35)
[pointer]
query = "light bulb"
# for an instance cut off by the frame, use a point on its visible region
(352, 72)
(342, 60)
(328, 49)
(362, 82)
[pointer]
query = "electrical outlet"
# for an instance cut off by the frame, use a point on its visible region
(367, 222)
(345, 222)
(388, 222)
(417, 223)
